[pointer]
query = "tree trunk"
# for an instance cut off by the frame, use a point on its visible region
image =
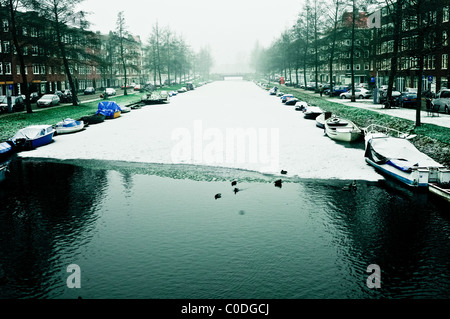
(394, 59)
(352, 52)
(65, 61)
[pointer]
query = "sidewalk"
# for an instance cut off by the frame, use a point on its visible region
(440, 119)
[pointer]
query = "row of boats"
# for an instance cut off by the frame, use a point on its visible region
(35, 136)
(389, 151)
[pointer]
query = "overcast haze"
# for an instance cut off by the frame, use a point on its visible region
(230, 28)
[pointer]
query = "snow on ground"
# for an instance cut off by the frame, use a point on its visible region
(232, 124)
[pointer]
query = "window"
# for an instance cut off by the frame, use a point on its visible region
(366, 66)
(7, 67)
(1, 68)
(357, 67)
(445, 14)
(34, 33)
(34, 50)
(444, 61)
(35, 68)
(5, 25)
(25, 51)
(42, 67)
(6, 46)
(366, 54)
(444, 38)
(349, 67)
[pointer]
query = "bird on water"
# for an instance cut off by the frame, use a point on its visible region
(278, 183)
(217, 196)
(233, 183)
(283, 172)
(351, 186)
(235, 190)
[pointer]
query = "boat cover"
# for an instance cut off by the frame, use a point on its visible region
(108, 108)
(32, 132)
(313, 109)
(398, 152)
(5, 148)
(68, 123)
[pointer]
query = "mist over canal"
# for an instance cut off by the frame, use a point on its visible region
(113, 201)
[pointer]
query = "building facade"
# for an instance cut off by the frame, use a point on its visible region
(91, 61)
(434, 27)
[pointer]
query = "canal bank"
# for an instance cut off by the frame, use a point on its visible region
(433, 136)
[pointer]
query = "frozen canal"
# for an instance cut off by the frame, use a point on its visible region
(119, 203)
(232, 124)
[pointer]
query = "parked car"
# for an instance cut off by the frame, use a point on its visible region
(441, 102)
(17, 103)
(408, 99)
(64, 97)
(110, 91)
(48, 100)
(337, 90)
(137, 87)
(360, 93)
(129, 86)
(89, 90)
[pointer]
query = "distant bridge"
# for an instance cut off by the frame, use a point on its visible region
(225, 76)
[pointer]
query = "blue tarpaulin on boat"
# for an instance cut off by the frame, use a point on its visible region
(108, 108)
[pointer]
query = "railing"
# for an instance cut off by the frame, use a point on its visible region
(375, 128)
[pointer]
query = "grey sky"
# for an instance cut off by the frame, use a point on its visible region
(230, 28)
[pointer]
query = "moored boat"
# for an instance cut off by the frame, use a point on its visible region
(110, 109)
(33, 136)
(320, 120)
(291, 101)
(440, 189)
(311, 112)
(156, 98)
(69, 126)
(300, 106)
(125, 109)
(6, 150)
(397, 157)
(93, 119)
(342, 130)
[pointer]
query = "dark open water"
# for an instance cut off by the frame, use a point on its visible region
(156, 231)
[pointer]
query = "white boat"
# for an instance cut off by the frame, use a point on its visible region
(440, 189)
(33, 136)
(342, 130)
(125, 109)
(69, 126)
(320, 120)
(311, 112)
(397, 157)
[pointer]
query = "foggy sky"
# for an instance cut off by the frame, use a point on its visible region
(230, 28)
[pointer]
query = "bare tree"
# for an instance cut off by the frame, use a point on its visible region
(65, 20)
(121, 34)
